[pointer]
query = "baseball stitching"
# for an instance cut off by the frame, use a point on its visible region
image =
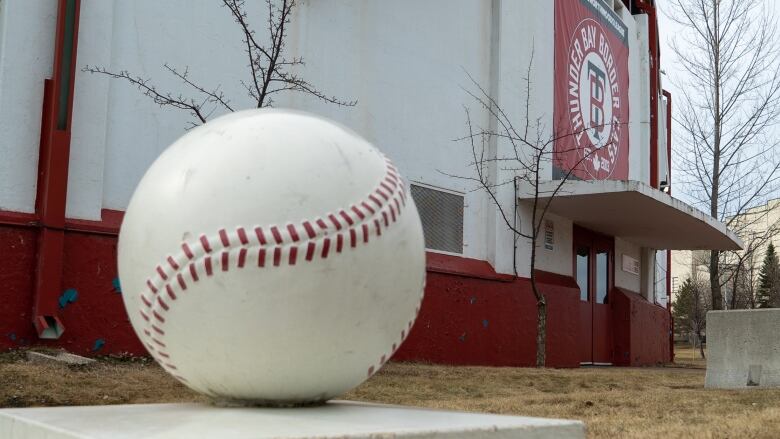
(270, 246)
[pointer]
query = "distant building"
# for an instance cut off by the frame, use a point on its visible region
(595, 75)
(757, 226)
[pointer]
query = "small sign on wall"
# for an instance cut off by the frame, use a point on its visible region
(549, 234)
(631, 265)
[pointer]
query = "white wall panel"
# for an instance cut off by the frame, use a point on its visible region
(625, 279)
(26, 52)
(90, 112)
(405, 62)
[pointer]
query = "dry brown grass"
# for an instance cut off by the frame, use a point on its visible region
(686, 356)
(614, 402)
(110, 381)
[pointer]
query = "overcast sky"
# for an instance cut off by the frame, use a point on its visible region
(667, 30)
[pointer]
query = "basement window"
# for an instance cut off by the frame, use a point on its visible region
(441, 213)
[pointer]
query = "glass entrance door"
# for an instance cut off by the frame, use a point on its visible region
(582, 264)
(593, 269)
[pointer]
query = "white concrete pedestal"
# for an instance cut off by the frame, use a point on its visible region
(743, 349)
(340, 419)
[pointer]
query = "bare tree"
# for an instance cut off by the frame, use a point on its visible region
(690, 310)
(531, 154)
(729, 105)
(271, 71)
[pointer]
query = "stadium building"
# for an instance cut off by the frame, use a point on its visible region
(73, 145)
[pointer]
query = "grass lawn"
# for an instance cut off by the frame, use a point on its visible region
(614, 402)
(687, 356)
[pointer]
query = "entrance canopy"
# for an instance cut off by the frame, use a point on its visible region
(636, 212)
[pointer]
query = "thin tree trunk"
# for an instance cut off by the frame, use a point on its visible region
(717, 297)
(541, 324)
(701, 345)
(541, 311)
(734, 289)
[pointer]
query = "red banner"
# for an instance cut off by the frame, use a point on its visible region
(591, 91)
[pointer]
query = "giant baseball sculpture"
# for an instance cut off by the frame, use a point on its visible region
(271, 257)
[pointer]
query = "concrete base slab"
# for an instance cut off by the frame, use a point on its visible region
(342, 419)
(59, 358)
(743, 349)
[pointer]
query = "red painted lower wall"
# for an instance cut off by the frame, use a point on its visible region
(96, 321)
(474, 316)
(90, 305)
(17, 267)
(641, 330)
(471, 315)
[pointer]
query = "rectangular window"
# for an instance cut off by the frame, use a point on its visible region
(441, 213)
(583, 254)
(602, 276)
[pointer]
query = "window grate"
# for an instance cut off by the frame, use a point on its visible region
(442, 218)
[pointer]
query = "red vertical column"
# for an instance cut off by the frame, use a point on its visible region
(668, 97)
(53, 171)
(648, 8)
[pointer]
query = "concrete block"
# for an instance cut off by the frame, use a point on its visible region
(743, 349)
(336, 419)
(58, 358)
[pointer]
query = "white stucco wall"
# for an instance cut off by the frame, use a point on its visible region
(639, 69)
(410, 101)
(406, 63)
(559, 259)
(144, 35)
(646, 287)
(90, 113)
(26, 51)
(407, 82)
(623, 278)
(526, 29)
(118, 132)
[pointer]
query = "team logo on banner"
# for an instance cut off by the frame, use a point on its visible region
(591, 105)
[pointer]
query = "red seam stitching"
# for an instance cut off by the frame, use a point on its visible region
(204, 241)
(225, 261)
(293, 232)
(309, 230)
(173, 263)
(180, 280)
(346, 217)
(261, 258)
(393, 200)
(277, 256)
(224, 238)
(260, 235)
(242, 236)
(187, 250)
(293, 255)
(335, 221)
(242, 257)
(310, 251)
(276, 234)
(358, 212)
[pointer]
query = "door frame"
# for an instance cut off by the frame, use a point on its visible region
(600, 315)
